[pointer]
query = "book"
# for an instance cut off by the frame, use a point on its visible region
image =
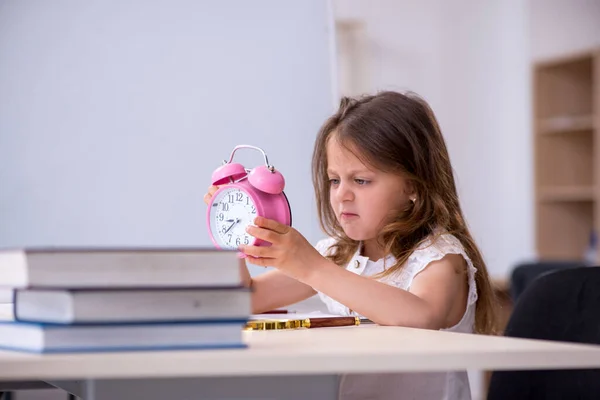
(118, 267)
(6, 296)
(52, 338)
(73, 306)
(6, 312)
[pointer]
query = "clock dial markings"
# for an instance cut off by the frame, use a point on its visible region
(231, 212)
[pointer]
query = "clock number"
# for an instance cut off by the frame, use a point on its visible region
(239, 196)
(238, 241)
(230, 198)
(220, 217)
(246, 240)
(229, 239)
(253, 210)
(225, 206)
(247, 201)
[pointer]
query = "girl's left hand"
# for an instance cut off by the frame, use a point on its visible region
(289, 252)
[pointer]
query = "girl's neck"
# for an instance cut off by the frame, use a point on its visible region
(372, 250)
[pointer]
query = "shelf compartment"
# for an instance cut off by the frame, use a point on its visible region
(565, 160)
(563, 229)
(564, 90)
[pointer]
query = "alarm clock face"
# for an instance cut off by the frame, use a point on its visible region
(231, 211)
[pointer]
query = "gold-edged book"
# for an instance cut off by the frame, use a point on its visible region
(277, 324)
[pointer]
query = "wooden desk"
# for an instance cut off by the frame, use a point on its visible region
(288, 364)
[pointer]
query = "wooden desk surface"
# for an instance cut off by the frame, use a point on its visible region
(317, 351)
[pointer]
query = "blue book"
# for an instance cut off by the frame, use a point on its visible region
(57, 338)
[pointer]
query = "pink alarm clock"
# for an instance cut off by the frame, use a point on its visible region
(242, 196)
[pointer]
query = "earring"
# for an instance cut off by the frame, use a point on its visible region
(413, 200)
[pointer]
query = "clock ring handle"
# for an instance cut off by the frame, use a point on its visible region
(247, 146)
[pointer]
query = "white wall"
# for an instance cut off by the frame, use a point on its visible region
(469, 59)
(397, 46)
(485, 113)
(113, 114)
(561, 27)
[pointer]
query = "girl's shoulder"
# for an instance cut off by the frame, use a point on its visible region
(435, 247)
(440, 243)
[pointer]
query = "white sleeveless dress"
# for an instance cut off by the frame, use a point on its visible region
(453, 385)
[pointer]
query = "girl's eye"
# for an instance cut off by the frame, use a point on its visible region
(361, 181)
(334, 181)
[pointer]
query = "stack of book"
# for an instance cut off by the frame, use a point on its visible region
(72, 300)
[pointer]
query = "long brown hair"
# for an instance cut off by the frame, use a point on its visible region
(399, 133)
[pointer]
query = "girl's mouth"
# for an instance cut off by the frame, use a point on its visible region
(347, 215)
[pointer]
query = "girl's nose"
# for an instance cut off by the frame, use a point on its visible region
(344, 193)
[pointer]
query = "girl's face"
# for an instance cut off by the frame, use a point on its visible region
(363, 199)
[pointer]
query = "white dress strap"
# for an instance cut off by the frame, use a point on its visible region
(434, 249)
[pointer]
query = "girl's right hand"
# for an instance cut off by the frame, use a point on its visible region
(211, 191)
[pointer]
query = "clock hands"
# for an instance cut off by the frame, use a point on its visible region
(233, 222)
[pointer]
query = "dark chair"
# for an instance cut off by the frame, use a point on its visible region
(525, 273)
(560, 306)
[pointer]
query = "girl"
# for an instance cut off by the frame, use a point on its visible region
(399, 251)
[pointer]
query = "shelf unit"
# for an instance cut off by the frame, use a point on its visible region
(567, 154)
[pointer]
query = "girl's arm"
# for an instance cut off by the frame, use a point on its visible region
(437, 297)
(274, 289)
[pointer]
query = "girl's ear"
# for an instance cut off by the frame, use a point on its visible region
(410, 190)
